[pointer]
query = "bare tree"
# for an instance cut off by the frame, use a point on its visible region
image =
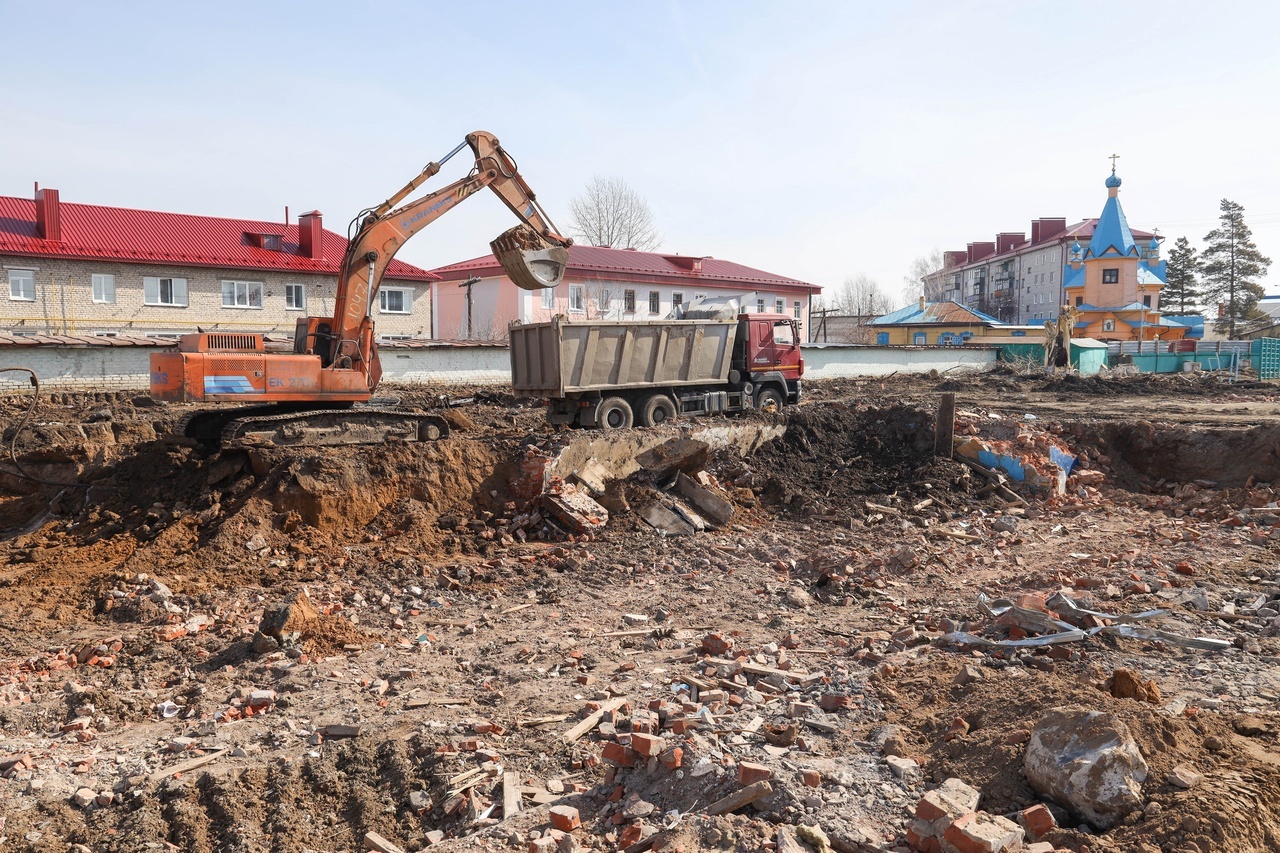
(610, 213)
(914, 284)
(861, 296)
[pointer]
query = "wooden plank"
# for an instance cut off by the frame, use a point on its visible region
(592, 720)
(184, 766)
(437, 700)
(944, 431)
(740, 798)
(510, 795)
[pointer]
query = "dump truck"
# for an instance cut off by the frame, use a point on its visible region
(616, 374)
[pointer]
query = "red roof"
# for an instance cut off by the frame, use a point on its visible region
(90, 231)
(599, 263)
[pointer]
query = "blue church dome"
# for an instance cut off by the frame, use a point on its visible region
(1113, 181)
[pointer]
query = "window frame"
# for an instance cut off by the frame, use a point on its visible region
(1111, 275)
(249, 288)
(108, 282)
(628, 301)
(173, 292)
(780, 306)
(759, 305)
(577, 299)
(796, 307)
(655, 303)
(19, 274)
(548, 297)
(677, 298)
(406, 300)
(301, 289)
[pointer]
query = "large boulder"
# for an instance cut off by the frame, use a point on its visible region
(1087, 761)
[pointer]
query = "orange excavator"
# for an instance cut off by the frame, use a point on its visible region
(308, 397)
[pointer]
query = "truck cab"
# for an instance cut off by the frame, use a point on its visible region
(767, 351)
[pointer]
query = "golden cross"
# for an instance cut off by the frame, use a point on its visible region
(1114, 157)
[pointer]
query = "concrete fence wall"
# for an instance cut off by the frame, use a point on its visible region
(116, 368)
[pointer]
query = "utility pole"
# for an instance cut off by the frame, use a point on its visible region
(468, 285)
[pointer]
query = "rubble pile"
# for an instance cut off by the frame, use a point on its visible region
(798, 633)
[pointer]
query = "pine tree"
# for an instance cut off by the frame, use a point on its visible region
(1182, 287)
(1232, 264)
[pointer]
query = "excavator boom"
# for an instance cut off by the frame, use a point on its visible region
(334, 363)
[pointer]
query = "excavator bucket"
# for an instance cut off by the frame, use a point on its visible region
(530, 260)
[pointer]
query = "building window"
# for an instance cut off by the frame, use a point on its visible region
(577, 299)
(1111, 276)
(22, 285)
(395, 337)
(779, 306)
(1079, 301)
(104, 334)
(759, 306)
(395, 300)
(241, 294)
(677, 298)
(795, 308)
(295, 297)
(629, 301)
(605, 300)
(655, 301)
(1146, 301)
(549, 298)
(104, 288)
(164, 291)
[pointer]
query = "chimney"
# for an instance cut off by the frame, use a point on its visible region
(1051, 227)
(1035, 231)
(311, 234)
(48, 215)
(923, 304)
(1006, 240)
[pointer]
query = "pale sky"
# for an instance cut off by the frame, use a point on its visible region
(813, 140)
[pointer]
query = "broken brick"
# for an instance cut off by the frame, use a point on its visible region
(749, 773)
(1038, 820)
(565, 818)
(647, 745)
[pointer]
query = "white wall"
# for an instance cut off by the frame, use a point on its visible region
(107, 368)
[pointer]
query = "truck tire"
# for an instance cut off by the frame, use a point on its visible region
(657, 410)
(768, 398)
(615, 413)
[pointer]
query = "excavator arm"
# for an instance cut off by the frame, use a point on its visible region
(532, 254)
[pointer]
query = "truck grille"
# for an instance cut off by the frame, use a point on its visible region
(232, 342)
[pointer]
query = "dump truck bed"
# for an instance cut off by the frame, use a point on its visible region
(566, 357)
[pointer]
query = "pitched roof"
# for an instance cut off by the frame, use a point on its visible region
(949, 313)
(95, 232)
(1112, 234)
(600, 263)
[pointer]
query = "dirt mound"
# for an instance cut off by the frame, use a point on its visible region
(1233, 810)
(836, 454)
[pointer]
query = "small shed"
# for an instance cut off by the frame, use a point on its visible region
(1088, 356)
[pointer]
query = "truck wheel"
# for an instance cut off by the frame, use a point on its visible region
(657, 410)
(615, 413)
(769, 400)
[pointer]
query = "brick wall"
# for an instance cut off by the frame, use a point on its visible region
(64, 301)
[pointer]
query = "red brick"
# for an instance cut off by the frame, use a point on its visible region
(616, 753)
(546, 844)
(1017, 736)
(984, 833)
(647, 745)
(630, 835)
(672, 758)
(565, 818)
(1038, 820)
(835, 702)
(811, 778)
(680, 725)
(749, 773)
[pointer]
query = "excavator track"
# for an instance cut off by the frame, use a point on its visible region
(296, 425)
(333, 428)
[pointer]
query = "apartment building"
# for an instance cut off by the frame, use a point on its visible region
(94, 270)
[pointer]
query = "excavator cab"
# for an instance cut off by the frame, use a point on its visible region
(531, 261)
